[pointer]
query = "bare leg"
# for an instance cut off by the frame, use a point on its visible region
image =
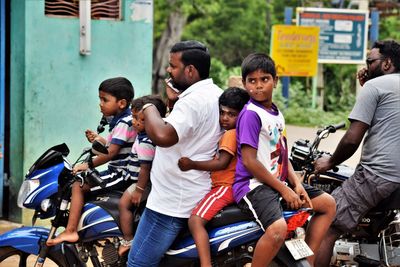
(324, 254)
(70, 233)
(269, 244)
(126, 219)
(200, 236)
(325, 210)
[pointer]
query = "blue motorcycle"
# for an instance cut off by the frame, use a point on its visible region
(47, 190)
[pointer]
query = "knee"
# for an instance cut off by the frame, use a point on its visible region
(123, 205)
(326, 205)
(330, 205)
(277, 231)
(194, 222)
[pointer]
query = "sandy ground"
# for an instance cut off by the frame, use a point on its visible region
(293, 132)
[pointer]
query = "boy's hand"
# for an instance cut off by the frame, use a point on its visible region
(292, 199)
(80, 168)
(136, 197)
(301, 192)
(185, 164)
(91, 135)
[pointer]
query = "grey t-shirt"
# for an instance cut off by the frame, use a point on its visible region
(378, 105)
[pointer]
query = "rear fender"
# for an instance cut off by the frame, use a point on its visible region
(28, 239)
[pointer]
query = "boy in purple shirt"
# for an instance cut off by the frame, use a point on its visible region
(263, 167)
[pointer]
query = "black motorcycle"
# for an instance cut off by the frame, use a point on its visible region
(376, 241)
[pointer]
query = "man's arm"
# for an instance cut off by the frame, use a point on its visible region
(160, 132)
(218, 164)
(346, 147)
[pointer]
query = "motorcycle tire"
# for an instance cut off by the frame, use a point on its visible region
(14, 257)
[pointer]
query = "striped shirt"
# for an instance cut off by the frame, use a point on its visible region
(142, 152)
(122, 134)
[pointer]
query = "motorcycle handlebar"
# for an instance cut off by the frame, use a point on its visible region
(93, 178)
(333, 128)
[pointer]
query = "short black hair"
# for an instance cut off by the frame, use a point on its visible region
(138, 103)
(389, 49)
(119, 87)
(258, 61)
(196, 54)
(234, 97)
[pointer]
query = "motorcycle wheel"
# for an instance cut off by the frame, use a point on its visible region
(11, 257)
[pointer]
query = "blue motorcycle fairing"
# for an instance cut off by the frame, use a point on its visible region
(48, 185)
(28, 240)
(223, 238)
(96, 223)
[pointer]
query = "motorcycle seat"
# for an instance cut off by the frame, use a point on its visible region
(228, 215)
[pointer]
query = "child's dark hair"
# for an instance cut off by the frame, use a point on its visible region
(119, 87)
(234, 97)
(258, 61)
(138, 103)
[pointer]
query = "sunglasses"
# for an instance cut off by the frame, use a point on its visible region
(169, 84)
(369, 61)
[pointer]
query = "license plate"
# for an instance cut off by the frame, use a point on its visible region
(298, 248)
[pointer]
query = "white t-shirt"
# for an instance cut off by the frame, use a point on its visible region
(195, 118)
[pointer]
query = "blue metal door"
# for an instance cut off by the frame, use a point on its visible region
(2, 96)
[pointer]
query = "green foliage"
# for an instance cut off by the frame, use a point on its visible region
(231, 29)
(340, 86)
(299, 111)
(389, 28)
(221, 73)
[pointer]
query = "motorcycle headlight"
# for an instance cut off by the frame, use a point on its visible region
(26, 188)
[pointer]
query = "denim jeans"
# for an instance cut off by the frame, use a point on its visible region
(154, 235)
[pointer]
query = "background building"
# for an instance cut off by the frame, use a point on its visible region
(49, 89)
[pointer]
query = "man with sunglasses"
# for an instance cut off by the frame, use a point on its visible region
(376, 114)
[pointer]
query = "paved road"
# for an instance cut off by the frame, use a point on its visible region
(295, 132)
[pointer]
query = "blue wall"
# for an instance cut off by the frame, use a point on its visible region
(54, 89)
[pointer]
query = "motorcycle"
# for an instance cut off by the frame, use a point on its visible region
(376, 241)
(47, 190)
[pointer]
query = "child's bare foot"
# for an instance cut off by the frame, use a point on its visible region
(124, 246)
(63, 237)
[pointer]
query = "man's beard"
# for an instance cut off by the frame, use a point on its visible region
(180, 87)
(376, 72)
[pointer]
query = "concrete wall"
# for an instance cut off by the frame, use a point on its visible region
(54, 89)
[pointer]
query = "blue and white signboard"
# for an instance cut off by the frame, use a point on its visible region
(343, 35)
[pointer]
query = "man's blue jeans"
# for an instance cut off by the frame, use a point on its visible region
(154, 235)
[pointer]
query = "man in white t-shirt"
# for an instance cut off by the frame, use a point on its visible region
(192, 129)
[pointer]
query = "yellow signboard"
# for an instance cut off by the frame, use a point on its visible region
(295, 50)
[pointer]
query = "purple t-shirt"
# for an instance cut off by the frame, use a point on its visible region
(264, 131)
